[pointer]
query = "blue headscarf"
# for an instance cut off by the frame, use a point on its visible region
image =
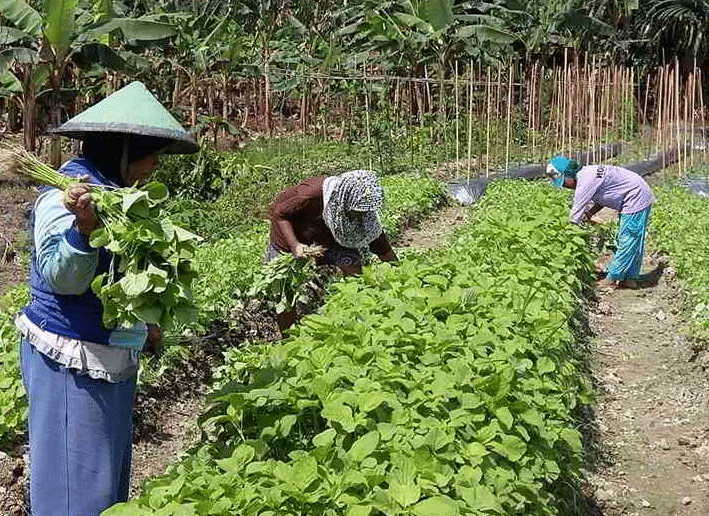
(560, 167)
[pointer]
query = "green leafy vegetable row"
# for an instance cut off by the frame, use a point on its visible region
(13, 404)
(674, 212)
(444, 386)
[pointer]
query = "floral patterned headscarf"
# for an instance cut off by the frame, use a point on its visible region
(358, 190)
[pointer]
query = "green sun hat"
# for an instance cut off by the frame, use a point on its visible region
(130, 110)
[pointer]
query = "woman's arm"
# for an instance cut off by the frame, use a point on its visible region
(382, 248)
(65, 260)
(289, 205)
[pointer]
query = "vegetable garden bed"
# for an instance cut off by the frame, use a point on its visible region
(445, 385)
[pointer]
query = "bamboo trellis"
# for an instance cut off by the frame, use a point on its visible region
(478, 119)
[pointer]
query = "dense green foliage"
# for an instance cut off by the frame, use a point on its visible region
(13, 404)
(227, 265)
(674, 210)
(224, 268)
(446, 385)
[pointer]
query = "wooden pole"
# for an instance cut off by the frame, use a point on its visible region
(457, 125)
(692, 110)
(470, 117)
(487, 131)
(592, 113)
(680, 161)
(509, 112)
(366, 112)
(702, 114)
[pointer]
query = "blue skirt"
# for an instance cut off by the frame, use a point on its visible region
(630, 241)
(81, 436)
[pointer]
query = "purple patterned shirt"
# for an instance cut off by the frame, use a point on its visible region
(612, 187)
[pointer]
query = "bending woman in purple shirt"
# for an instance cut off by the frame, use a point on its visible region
(599, 186)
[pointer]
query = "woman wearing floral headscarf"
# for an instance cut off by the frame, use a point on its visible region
(337, 216)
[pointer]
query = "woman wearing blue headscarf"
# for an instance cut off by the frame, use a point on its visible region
(617, 188)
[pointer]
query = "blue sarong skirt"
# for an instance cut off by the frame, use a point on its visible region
(630, 242)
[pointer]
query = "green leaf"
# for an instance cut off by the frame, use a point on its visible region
(325, 438)
(533, 418)
(439, 13)
(22, 16)
(149, 314)
(436, 506)
(156, 191)
(136, 203)
(572, 438)
(242, 455)
(368, 401)
(545, 365)
(481, 498)
(512, 447)
(59, 25)
(286, 424)
(9, 35)
(359, 510)
(364, 446)
(341, 414)
(135, 284)
(135, 28)
(304, 470)
(403, 488)
(9, 85)
(505, 417)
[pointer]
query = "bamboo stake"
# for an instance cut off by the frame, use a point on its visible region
(366, 112)
(533, 108)
(509, 112)
(592, 114)
(679, 146)
(645, 122)
(662, 101)
(487, 131)
(658, 108)
(702, 114)
(562, 98)
(470, 118)
(693, 109)
(428, 88)
(634, 112)
(457, 125)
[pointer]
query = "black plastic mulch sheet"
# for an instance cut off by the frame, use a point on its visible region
(469, 191)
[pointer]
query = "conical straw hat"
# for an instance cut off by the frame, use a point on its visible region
(132, 110)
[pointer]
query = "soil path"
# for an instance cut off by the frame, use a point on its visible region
(653, 401)
(435, 230)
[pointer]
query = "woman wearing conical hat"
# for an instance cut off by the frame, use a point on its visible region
(79, 375)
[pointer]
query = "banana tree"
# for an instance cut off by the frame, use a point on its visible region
(50, 38)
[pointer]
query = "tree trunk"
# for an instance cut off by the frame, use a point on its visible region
(29, 113)
(55, 143)
(210, 98)
(267, 103)
(176, 90)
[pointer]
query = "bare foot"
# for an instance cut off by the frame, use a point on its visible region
(630, 283)
(606, 284)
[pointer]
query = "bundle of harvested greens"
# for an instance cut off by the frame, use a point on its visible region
(151, 274)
